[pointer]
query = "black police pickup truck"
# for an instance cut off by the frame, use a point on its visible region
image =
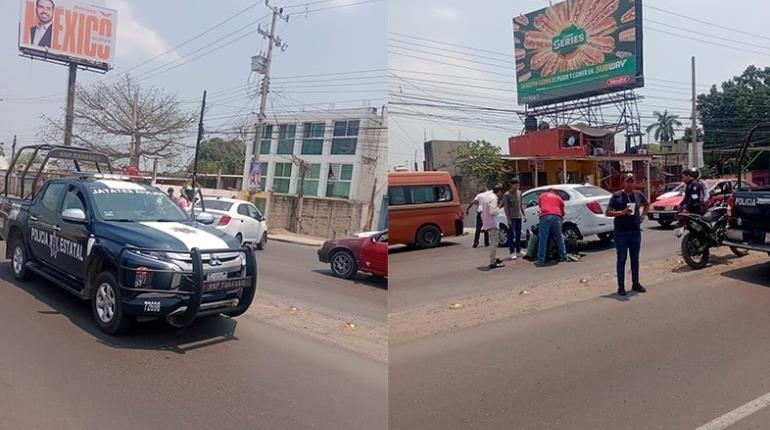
(749, 209)
(123, 245)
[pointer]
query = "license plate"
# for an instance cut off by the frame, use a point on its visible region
(216, 276)
(679, 232)
(225, 284)
(655, 216)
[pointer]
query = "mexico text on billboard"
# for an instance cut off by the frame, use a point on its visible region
(68, 30)
(578, 48)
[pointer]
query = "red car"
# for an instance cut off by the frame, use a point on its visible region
(664, 210)
(366, 253)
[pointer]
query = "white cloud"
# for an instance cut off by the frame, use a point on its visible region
(136, 41)
(445, 14)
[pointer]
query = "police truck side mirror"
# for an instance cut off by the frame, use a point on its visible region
(74, 215)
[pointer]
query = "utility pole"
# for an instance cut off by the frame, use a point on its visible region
(296, 219)
(195, 160)
(263, 66)
(13, 148)
(694, 131)
(69, 117)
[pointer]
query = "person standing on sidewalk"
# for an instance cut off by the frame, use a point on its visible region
(514, 213)
(479, 202)
(628, 207)
(551, 218)
(490, 209)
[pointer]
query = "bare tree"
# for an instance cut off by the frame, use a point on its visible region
(127, 122)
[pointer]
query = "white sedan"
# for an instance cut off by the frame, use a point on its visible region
(584, 207)
(239, 218)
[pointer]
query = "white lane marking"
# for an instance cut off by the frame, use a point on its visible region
(191, 237)
(738, 414)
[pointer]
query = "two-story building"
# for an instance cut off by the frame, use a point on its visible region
(345, 151)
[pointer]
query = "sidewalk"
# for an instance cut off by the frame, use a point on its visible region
(281, 235)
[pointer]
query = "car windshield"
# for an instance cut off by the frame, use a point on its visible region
(679, 188)
(136, 204)
(592, 191)
(217, 205)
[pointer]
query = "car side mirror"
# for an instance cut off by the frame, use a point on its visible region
(205, 218)
(74, 215)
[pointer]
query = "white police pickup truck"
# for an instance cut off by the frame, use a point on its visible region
(123, 245)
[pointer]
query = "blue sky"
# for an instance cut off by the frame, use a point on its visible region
(340, 40)
(486, 26)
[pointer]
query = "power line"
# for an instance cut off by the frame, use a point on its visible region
(706, 22)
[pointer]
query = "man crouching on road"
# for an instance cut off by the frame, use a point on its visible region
(628, 207)
(489, 211)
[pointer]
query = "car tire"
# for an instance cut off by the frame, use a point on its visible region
(106, 305)
(665, 224)
(19, 260)
(571, 232)
(343, 264)
(428, 236)
(262, 244)
(502, 236)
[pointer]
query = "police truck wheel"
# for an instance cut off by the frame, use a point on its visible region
(428, 237)
(19, 261)
(106, 305)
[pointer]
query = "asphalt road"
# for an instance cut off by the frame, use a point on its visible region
(58, 371)
(455, 269)
(677, 357)
(294, 271)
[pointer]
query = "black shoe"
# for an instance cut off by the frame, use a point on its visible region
(622, 292)
(639, 289)
(475, 245)
(539, 264)
(496, 264)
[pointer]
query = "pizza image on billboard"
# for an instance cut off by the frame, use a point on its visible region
(578, 48)
(68, 31)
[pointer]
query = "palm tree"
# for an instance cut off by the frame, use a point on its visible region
(664, 126)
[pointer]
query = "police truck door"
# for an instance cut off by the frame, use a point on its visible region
(43, 237)
(74, 236)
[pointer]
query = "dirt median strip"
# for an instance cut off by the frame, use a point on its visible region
(463, 312)
(360, 335)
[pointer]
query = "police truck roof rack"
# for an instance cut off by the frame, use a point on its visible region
(58, 152)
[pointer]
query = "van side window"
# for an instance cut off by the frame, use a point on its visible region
(419, 194)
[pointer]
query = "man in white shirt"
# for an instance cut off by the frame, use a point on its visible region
(40, 34)
(479, 202)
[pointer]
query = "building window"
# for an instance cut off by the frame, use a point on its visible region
(286, 134)
(339, 178)
(345, 137)
(312, 138)
(267, 138)
(420, 194)
(282, 178)
(310, 187)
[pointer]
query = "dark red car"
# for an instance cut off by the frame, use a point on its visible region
(366, 253)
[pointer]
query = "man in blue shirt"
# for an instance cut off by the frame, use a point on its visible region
(628, 207)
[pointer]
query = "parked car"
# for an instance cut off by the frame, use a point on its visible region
(664, 210)
(423, 207)
(238, 218)
(348, 256)
(584, 207)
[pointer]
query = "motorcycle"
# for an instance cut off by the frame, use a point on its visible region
(703, 232)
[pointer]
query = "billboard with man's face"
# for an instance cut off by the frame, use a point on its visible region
(68, 30)
(578, 48)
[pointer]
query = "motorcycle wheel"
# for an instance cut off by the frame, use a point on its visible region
(739, 252)
(690, 243)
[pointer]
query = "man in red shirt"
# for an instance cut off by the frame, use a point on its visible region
(551, 217)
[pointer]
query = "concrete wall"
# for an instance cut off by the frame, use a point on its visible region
(321, 217)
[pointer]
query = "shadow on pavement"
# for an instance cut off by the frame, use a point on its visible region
(615, 296)
(152, 335)
(758, 274)
(714, 260)
(359, 279)
(398, 249)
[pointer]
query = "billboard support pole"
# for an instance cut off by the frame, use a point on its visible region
(70, 113)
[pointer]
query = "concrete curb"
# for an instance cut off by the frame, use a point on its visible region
(295, 240)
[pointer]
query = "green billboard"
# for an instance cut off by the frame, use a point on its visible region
(578, 48)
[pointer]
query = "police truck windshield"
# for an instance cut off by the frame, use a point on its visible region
(136, 203)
